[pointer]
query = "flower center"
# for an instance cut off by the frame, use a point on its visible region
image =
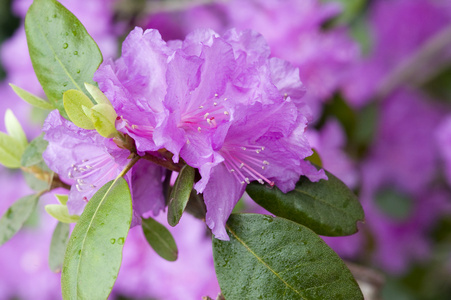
(205, 116)
(244, 162)
(92, 173)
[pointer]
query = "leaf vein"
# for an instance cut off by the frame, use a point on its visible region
(262, 262)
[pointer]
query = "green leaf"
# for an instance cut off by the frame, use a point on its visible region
(350, 10)
(328, 207)
(61, 213)
(103, 116)
(180, 194)
(37, 178)
(395, 204)
(94, 252)
(14, 128)
(16, 216)
(10, 151)
(33, 152)
(58, 245)
(31, 99)
(160, 239)
(63, 54)
(75, 103)
(274, 258)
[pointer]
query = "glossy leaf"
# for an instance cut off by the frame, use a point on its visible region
(328, 207)
(10, 151)
(15, 217)
(160, 239)
(58, 245)
(63, 54)
(61, 213)
(14, 128)
(274, 258)
(75, 104)
(31, 99)
(33, 153)
(180, 194)
(94, 252)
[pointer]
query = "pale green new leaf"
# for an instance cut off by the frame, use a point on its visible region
(103, 117)
(62, 198)
(10, 151)
(75, 103)
(31, 99)
(97, 94)
(61, 213)
(14, 128)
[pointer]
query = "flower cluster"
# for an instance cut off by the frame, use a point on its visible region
(217, 103)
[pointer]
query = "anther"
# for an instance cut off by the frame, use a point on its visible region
(206, 115)
(199, 129)
(200, 107)
(216, 95)
(260, 181)
(214, 103)
(247, 180)
(134, 126)
(242, 165)
(226, 112)
(265, 162)
(232, 170)
(244, 148)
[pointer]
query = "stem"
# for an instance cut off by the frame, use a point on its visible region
(415, 64)
(164, 163)
(129, 166)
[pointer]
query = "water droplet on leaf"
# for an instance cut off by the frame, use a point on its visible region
(112, 241)
(65, 45)
(75, 52)
(120, 241)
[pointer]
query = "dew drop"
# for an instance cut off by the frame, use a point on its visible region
(65, 84)
(65, 45)
(120, 241)
(74, 32)
(112, 241)
(75, 52)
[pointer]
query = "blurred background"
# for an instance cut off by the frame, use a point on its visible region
(378, 81)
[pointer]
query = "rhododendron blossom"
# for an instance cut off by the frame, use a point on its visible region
(220, 103)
